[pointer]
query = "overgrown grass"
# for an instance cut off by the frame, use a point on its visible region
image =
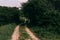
(6, 31)
(45, 33)
(23, 34)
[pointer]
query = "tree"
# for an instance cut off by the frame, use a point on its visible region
(9, 15)
(36, 11)
(56, 4)
(43, 13)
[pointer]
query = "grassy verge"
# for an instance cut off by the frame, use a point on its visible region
(6, 31)
(44, 33)
(23, 34)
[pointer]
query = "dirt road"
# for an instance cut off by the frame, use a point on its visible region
(15, 35)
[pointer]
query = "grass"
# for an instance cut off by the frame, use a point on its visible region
(23, 34)
(6, 31)
(44, 33)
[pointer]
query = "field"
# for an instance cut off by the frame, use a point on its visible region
(6, 31)
(44, 33)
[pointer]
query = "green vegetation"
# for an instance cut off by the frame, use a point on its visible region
(6, 31)
(44, 17)
(45, 33)
(23, 34)
(9, 18)
(40, 12)
(9, 15)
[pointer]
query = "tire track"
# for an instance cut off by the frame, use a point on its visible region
(15, 35)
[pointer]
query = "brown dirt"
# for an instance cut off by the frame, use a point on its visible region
(15, 35)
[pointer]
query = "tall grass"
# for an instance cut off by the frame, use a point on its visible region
(6, 31)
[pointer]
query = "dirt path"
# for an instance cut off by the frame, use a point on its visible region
(31, 34)
(15, 35)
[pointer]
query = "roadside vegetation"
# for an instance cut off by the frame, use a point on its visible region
(9, 18)
(6, 31)
(23, 34)
(45, 33)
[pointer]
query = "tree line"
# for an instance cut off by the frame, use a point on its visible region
(9, 15)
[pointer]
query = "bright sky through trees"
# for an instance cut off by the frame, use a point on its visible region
(11, 3)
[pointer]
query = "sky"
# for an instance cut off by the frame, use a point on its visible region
(11, 3)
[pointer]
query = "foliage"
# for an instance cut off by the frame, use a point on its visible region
(56, 4)
(45, 33)
(9, 14)
(6, 31)
(23, 34)
(42, 13)
(36, 10)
